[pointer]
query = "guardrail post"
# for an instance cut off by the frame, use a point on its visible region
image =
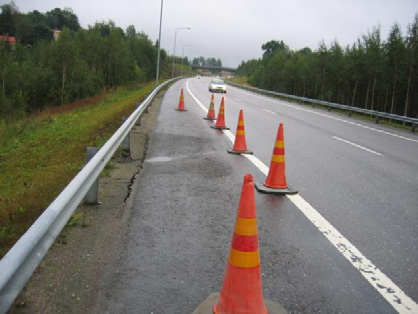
(93, 194)
(350, 112)
(126, 144)
(138, 121)
(377, 119)
(413, 126)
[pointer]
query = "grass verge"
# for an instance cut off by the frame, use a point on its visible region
(39, 155)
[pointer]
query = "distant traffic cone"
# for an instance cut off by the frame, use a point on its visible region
(220, 121)
(240, 145)
(242, 290)
(211, 111)
(276, 178)
(181, 102)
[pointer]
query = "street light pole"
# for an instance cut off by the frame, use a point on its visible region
(174, 53)
(159, 45)
(182, 57)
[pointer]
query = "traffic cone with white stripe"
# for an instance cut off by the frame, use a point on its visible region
(242, 290)
(220, 121)
(211, 111)
(181, 102)
(240, 145)
(276, 178)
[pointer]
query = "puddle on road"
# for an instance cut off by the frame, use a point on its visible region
(159, 159)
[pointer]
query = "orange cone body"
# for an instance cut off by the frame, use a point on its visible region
(220, 121)
(211, 111)
(181, 102)
(240, 144)
(276, 177)
(241, 291)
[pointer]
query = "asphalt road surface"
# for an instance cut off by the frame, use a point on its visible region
(347, 243)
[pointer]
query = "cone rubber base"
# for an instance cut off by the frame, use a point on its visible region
(207, 306)
(180, 109)
(219, 127)
(239, 152)
(264, 189)
(211, 119)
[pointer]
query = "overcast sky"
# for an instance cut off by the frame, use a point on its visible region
(234, 30)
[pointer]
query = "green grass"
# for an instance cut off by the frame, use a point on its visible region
(40, 154)
(243, 80)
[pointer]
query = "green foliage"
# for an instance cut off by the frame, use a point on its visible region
(370, 73)
(41, 72)
(206, 62)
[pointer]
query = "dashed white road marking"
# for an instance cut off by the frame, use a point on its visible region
(269, 111)
(329, 116)
(383, 284)
(358, 146)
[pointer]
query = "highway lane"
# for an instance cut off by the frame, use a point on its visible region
(180, 231)
(369, 198)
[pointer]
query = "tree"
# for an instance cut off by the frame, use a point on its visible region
(65, 54)
(373, 56)
(395, 50)
(412, 56)
(130, 31)
(58, 19)
(7, 19)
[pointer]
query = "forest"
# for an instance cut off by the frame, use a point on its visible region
(371, 73)
(38, 71)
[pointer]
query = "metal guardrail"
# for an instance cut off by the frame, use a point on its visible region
(377, 114)
(20, 262)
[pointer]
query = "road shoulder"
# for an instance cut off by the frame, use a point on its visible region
(76, 268)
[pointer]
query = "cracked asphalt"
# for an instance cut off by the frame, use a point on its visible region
(174, 251)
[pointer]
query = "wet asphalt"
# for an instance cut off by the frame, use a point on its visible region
(177, 242)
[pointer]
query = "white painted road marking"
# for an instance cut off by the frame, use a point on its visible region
(327, 116)
(269, 111)
(356, 145)
(385, 286)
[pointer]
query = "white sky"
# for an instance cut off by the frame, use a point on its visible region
(234, 30)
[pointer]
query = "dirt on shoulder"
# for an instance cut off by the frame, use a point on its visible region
(77, 268)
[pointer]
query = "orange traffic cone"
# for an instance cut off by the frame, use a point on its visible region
(242, 290)
(276, 178)
(211, 111)
(181, 102)
(240, 145)
(220, 121)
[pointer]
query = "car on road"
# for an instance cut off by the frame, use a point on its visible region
(198, 76)
(217, 85)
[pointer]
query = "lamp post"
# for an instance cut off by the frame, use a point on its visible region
(182, 57)
(174, 53)
(159, 45)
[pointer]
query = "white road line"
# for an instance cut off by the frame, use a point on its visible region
(356, 145)
(386, 287)
(269, 111)
(328, 116)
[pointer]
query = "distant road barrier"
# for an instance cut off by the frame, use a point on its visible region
(377, 114)
(20, 262)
